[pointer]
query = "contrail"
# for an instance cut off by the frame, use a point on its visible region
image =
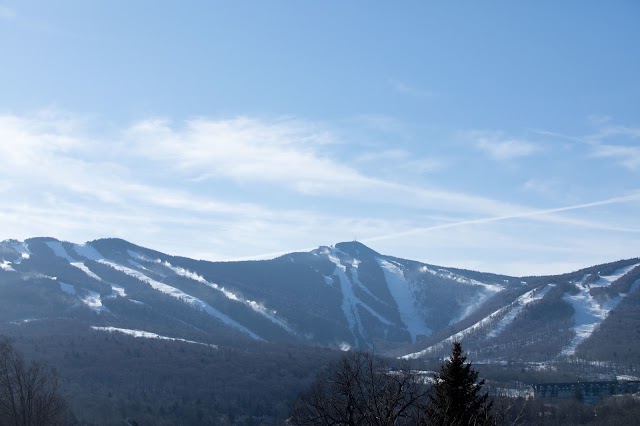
(532, 213)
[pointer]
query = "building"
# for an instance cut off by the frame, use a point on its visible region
(586, 391)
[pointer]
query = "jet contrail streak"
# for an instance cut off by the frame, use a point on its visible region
(526, 214)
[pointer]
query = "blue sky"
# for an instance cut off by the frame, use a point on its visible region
(497, 136)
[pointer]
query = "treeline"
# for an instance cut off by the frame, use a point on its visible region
(106, 377)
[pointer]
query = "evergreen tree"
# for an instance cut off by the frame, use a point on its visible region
(456, 398)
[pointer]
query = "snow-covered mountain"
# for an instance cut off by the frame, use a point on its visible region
(344, 296)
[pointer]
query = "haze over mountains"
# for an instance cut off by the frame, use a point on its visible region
(344, 296)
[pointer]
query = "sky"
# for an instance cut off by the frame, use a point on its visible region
(496, 136)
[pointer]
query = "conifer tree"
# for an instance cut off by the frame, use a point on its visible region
(456, 398)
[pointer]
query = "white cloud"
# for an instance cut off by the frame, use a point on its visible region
(501, 148)
(285, 153)
(203, 188)
(621, 145)
(289, 154)
(628, 156)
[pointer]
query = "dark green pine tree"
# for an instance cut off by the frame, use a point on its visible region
(456, 398)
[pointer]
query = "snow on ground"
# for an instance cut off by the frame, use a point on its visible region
(87, 251)
(356, 281)
(86, 270)
(517, 307)
(21, 248)
(403, 294)
(59, 250)
(508, 313)
(92, 300)
(349, 299)
(589, 313)
(116, 290)
(147, 335)
(443, 273)
(255, 306)
(487, 290)
(351, 302)
(88, 297)
(607, 280)
(6, 265)
(625, 377)
(180, 295)
(26, 321)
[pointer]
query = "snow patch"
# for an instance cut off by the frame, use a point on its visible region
(351, 302)
(19, 247)
(345, 347)
(508, 314)
(252, 304)
(116, 290)
(517, 307)
(6, 266)
(403, 294)
(87, 251)
(88, 297)
(60, 251)
(625, 377)
(487, 290)
(608, 279)
(86, 270)
(444, 273)
(147, 335)
(349, 299)
(356, 281)
(92, 300)
(180, 295)
(589, 313)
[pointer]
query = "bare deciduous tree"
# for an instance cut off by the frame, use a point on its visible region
(28, 392)
(360, 390)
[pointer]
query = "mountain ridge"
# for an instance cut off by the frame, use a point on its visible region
(342, 296)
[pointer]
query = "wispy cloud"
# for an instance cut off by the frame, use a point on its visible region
(290, 154)
(526, 215)
(282, 152)
(619, 143)
(499, 147)
(628, 156)
(229, 188)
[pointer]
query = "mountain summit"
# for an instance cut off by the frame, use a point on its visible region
(344, 296)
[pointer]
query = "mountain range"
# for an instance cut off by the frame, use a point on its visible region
(344, 296)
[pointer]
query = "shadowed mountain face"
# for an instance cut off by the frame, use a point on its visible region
(345, 296)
